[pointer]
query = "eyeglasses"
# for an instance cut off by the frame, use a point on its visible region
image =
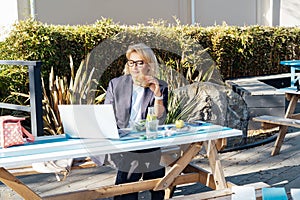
(138, 63)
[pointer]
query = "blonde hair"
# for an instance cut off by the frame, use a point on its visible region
(147, 55)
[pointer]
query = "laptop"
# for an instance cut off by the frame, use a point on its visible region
(89, 121)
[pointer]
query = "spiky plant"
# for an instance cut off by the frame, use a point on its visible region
(190, 67)
(78, 90)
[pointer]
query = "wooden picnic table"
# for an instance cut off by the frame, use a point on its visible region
(290, 118)
(49, 148)
(295, 66)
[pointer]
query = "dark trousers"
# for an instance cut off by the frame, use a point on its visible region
(148, 168)
(122, 178)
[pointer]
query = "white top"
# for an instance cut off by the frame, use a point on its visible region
(136, 103)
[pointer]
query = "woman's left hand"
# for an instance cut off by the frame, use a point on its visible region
(153, 85)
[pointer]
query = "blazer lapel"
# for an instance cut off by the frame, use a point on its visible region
(123, 97)
(126, 97)
(148, 94)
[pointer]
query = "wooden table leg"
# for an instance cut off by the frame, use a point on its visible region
(178, 167)
(169, 192)
(205, 177)
(221, 144)
(215, 165)
(15, 184)
(283, 129)
(279, 140)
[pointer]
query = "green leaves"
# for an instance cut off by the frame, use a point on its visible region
(233, 51)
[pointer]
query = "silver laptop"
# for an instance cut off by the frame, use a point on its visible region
(89, 121)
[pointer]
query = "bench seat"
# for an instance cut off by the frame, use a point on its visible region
(269, 122)
(279, 121)
(225, 194)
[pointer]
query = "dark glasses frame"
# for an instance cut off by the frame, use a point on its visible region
(138, 63)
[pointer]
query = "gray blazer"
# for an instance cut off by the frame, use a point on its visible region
(119, 94)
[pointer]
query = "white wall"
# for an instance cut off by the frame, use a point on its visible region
(8, 11)
(122, 11)
(233, 12)
(207, 12)
(289, 13)
(131, 12)
(8, 15)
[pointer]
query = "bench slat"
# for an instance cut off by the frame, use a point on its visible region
(224, 194)
(278, 120)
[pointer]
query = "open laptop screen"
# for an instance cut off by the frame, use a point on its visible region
(89, 121)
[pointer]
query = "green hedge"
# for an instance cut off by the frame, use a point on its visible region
(237, 51)
(249, 51)
(32, 40)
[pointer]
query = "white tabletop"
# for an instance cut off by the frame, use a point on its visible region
(47, 148)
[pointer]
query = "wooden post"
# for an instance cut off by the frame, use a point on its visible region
(15, 184)
(215, 165)
(167, 180)
(283, 129)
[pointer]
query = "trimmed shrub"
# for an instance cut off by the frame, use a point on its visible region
(237, 51)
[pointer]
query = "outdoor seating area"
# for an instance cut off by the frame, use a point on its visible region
(198, 173)
(160, 100)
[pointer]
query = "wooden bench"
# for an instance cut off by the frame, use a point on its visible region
(269, 121)
(273, 121)
(225, 194)
(28, 170)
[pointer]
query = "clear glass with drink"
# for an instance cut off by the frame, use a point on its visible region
(151, 124)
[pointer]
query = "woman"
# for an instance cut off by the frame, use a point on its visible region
(131, 95)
